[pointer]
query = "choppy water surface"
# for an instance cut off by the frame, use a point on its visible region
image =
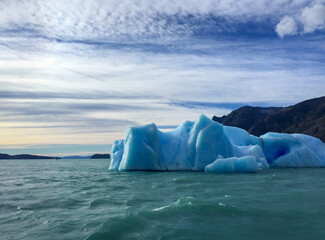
(81, 199)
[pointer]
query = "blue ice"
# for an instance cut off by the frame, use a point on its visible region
(209, 146)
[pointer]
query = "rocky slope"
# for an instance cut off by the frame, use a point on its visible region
(306, 117)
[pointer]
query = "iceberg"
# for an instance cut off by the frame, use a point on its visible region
(206, 145)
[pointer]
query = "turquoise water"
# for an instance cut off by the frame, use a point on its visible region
(81, 199)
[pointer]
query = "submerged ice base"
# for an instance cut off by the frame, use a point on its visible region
(209, 146)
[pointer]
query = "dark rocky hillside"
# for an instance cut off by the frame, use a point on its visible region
(307, 117)
(100, 156)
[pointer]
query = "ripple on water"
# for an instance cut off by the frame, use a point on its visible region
(102, 202)
(190, 205)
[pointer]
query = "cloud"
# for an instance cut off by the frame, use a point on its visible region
(222, 105)
(287, 26)
(313, 18)
(310, 18)
(83, 71)
(128, 20)
(166, 21)
(95, 95)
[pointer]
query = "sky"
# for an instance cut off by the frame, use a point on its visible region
(74, 75)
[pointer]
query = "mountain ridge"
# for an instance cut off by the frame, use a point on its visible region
(307, 117)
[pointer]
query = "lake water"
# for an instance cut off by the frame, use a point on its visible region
(81, 199)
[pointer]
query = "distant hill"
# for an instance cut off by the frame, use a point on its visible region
(100, 156)
(75, 157)
(306, 117)
(24, 156)
(88, 157)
